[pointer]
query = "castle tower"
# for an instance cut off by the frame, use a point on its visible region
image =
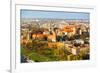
(53, 36)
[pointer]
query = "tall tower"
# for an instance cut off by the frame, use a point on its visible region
(27, 35)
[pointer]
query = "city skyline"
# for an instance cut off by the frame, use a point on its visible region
(50, 36)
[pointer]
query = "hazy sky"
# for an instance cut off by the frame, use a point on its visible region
(53, 14)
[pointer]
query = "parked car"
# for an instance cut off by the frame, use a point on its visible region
(78, 42)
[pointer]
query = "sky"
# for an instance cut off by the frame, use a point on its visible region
(53, 14)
